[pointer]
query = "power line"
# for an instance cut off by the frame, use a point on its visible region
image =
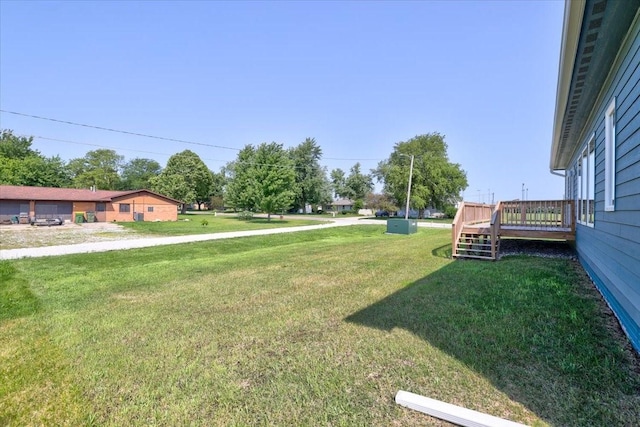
(149, 136)
(234, 162)
(119, 131)
(106, 146)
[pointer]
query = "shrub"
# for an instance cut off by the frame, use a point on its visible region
(450, 211)
(245, 215)
(204, 222)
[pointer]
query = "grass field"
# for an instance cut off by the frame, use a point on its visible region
(310, 328)
(208, 223)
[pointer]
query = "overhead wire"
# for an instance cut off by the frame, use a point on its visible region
(106, 146)
(144, 136)
(119, 131)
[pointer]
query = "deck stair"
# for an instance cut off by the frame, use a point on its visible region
(475, 242)
(477, 228)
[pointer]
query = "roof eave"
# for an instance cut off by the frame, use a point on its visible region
(573, 15)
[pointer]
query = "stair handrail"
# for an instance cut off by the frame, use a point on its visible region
(456, 228)
(496, 219)
(468, 213)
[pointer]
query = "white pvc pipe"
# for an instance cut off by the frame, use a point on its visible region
(452, 413)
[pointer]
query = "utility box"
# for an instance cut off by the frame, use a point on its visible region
(138, 216)
(402, 226)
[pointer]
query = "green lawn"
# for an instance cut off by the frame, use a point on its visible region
(193, 224)
(310, 328)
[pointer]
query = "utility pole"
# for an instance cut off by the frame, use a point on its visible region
(406, 212)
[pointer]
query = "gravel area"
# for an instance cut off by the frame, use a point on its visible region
(540, 248)
(27, 236)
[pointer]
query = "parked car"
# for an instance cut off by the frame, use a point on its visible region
(382, 214)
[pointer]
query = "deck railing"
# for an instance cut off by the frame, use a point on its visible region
(469, 213)
(496, 219)
(538, 214)
(530, 219)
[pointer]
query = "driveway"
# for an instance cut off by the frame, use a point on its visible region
(127, 240)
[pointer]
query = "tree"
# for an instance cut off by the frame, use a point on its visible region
(22, 165)
(311, 178)
(240, 192)
(339, 183)
(262, 178)
(436, 182)
(358, 184)
(175, 186)
(15, 147)
(382, 202)
(98, 168)
(185, 178)
(137, 173)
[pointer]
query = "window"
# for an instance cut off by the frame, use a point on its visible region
(125, 207)
(150, 209)
(585, 194)
(610, 156)
(101, 207)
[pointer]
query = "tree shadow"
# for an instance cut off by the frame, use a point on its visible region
(530, 326)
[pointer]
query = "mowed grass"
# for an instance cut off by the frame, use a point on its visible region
(210, 223)
(311, 328)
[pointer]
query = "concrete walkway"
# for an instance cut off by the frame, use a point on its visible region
(173, 240)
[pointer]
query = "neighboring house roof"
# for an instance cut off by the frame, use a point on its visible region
(592, 34)
(14, 192)
(343, 202)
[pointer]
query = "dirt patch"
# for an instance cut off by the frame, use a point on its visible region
(26, 236)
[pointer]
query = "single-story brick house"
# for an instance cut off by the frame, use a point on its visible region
(107, 206)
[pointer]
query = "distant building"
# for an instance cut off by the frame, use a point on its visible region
(105, 205)
(343, 205)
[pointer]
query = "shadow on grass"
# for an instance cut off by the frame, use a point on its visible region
(531, 326)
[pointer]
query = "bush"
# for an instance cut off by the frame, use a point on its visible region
(245, 215)
(450, 211)
(345, 211)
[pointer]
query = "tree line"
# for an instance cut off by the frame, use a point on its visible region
(267, 177)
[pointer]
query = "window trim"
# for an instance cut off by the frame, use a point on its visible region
(610, 157)
(585, 185)
(149, 208)
(124, 208)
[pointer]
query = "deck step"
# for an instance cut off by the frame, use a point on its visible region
(474, 256)
(474, 243)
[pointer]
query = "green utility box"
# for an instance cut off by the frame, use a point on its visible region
(79, 218)
(402, 226)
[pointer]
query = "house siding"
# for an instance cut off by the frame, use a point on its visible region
(163, 210)
(610, 251)
(17, 199)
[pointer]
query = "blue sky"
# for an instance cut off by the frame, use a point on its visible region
(356, 76)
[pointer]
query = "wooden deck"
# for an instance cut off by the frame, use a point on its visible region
(477, 228)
